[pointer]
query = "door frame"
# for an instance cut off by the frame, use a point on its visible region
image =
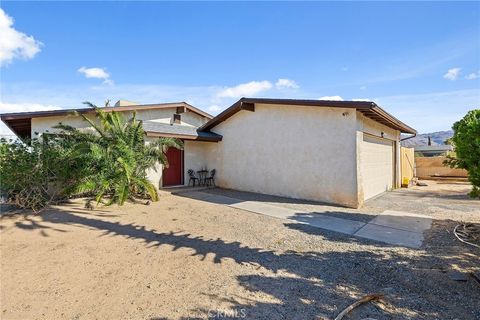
(182, 166)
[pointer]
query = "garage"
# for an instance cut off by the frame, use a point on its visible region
(376, 165)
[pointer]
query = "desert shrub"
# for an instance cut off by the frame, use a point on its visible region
(32, 174)
(466, 139)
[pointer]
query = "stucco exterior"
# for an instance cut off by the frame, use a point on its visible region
(294, 151)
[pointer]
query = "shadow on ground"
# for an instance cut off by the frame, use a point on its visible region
(311, 285)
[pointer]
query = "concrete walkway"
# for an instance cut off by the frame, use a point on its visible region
(392, 227)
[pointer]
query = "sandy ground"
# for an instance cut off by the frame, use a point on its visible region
(185, 259)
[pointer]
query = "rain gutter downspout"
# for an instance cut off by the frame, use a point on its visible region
(414, 135)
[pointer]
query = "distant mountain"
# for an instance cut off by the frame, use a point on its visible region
(422, 139)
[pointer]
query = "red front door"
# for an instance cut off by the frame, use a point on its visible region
(172, 176)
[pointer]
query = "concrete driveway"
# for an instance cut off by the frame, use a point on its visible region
(400, 217)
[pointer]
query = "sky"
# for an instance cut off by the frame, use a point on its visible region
(420, 61)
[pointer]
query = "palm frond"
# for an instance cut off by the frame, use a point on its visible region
(96, 127)
(148, 186)
(91, 105)
(114, 158)
(87, 185)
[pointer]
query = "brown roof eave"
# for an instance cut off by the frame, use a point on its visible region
(363, 106)
(394, 121)
(224, 115)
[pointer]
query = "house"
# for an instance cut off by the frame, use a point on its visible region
(339, 152)
(433, 151)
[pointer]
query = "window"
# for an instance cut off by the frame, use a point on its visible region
(176, 118)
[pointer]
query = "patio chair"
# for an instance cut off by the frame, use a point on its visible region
(211, 179)
(191, 175)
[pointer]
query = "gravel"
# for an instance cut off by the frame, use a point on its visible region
(182, 258)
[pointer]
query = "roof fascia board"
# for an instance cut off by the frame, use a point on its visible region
(358, 105)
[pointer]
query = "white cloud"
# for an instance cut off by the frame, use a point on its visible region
(94, 73)
(15, 44)
(452, 74)
(97, 73)
(214, 109)
(286, 84)
(331, 98)
(363, 87)
(245, 89)
(473, 75)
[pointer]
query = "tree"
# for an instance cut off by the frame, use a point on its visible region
(114, 157)
(466, 139)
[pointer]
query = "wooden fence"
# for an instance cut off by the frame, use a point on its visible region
(432, 167)
(407, 163)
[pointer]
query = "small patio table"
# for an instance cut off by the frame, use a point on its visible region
(202, 177)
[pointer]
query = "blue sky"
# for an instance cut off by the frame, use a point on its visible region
(419, 61)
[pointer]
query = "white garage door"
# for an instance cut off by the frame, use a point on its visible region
(376, 165)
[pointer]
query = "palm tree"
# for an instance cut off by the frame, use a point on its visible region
(113, 158)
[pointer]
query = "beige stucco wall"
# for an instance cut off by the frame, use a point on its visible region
(154, 175)
(46, 124)
(196, 157)
(293, 151)
(368, 126)
(165, 115)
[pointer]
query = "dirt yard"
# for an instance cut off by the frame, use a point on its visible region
(182, 258)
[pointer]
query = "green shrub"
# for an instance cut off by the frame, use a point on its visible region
(466, 139)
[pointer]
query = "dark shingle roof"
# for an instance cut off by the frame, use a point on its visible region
(154, 128)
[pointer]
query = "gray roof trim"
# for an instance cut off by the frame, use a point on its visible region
(159, 129)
